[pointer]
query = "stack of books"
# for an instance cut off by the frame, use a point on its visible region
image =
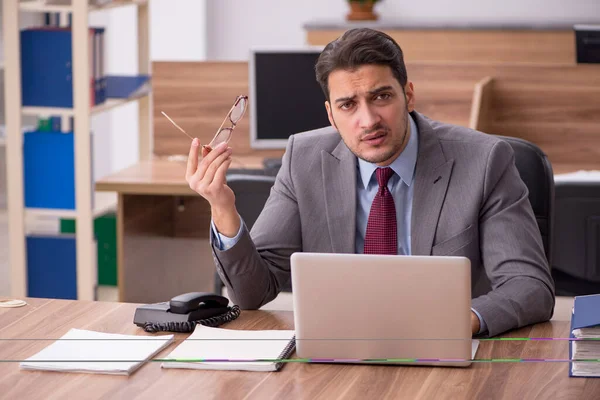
(585, 329)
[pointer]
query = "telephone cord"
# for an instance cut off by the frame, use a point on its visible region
(189, 326)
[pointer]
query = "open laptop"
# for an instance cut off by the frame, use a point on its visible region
(359, 308)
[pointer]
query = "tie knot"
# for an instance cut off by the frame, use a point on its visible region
(384, 175)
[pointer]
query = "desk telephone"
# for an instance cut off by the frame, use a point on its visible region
(183, 312)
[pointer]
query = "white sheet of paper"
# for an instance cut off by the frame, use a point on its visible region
(97, 352)
(474, 347)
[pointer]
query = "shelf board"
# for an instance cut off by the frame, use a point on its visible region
(103, 202)
(69, 112)
(112, 103)
(41, 6)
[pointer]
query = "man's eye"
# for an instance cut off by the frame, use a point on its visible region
(383, 96)
(346, 106)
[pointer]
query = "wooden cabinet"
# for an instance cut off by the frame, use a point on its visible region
(485, 44)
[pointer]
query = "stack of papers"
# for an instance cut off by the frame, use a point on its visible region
(228, 349)
(586, 350)
(96, 352)
(585, 324)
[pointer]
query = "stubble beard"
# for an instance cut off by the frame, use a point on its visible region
(394, 150)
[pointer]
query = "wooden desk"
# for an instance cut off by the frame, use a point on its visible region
(160, 176)
(49, 319)
(162, 231)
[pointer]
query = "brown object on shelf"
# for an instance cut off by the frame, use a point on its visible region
(361, 11)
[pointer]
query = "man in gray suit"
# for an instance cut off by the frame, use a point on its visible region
(384, 179)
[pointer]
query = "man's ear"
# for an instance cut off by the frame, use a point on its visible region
(329, 115)
(409, 93)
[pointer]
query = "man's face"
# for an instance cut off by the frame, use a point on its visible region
(370, 110)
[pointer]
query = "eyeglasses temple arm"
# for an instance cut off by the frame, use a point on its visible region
(177, 126)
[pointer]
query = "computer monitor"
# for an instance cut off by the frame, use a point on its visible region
(587, 43)
(285, 97)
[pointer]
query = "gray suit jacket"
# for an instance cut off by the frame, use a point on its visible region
(469, 200)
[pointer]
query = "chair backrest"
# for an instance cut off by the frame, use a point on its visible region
(536, 172)
(251, 193)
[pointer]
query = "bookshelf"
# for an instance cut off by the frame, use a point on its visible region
(81, 112)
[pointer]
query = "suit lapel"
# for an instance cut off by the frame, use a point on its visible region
(432, 176)
(339, 186)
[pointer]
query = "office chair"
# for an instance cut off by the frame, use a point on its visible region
(576, 243)
(536, 172)
(251, 194)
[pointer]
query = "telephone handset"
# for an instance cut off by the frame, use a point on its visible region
(183, 312)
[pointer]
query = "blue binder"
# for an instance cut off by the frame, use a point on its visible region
(586, 313)
(51, 266)
(47, 70)
(123, 87)
(49, 169)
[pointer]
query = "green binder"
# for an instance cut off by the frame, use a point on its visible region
(105, 231)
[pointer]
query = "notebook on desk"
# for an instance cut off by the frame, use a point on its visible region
(97, 352)
(229, 349)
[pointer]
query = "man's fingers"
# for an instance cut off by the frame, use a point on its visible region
(206, 173)
(209, 159)
(221, 174)
(192, 162)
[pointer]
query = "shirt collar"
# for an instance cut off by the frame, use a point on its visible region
(403, 165)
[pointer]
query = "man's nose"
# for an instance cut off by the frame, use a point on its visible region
(368, 118)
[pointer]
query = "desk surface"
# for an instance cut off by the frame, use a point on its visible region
(50, 319)
(161, 176)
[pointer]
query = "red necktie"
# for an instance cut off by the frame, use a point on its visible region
(382, 236)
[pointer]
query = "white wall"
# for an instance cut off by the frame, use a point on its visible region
(178, 31)
(234, 25)
(115, 131)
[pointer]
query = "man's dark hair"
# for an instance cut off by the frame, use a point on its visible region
(358, 47)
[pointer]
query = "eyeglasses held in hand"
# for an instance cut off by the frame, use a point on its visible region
(223, 134)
